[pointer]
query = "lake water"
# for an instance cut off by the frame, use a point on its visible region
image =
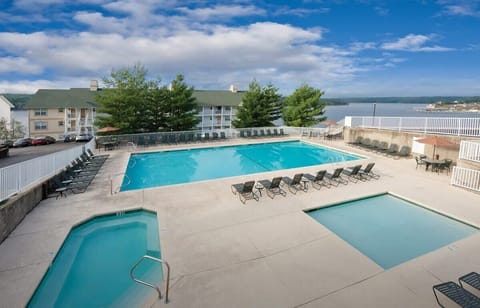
(337, 113)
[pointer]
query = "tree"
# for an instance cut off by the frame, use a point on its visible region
(303, 108)
(124, 100)
(181, 106)
(259, 107)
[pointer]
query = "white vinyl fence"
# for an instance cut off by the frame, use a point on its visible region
(17, 177)
(469, 151)
(445, 126)
(466, 178)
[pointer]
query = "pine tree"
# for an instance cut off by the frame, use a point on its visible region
(303, 108)
(181, 106)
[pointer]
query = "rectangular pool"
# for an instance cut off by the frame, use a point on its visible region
(184, 166)
(390, 230)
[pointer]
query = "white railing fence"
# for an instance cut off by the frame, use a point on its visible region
(446, 126)
(466, 178)
(17, 177)
(469, 151)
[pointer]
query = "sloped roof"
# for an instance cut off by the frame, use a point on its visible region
(6, 101)
(71, 98)
(84, 98)
(218, 98)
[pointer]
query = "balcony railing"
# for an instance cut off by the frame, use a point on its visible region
(445, 126)
(466, 178)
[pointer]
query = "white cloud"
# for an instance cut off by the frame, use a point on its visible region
(460, 7)
(18, 65)
(222, 12)
(413, 42)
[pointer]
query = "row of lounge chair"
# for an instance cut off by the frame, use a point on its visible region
(175, 138)
(299, 182)
(464, 294)
(77, 176)
(381, 147)
(254, 133)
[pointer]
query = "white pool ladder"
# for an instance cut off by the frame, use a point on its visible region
(132, 275)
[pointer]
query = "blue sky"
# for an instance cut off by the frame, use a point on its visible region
(345, 48)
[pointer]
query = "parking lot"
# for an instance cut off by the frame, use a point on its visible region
(16, 155)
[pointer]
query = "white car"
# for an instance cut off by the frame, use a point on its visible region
(83, 138)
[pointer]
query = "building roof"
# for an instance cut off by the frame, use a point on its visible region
(218, 98)
(84, 98)
(71, 98)
(6, 101)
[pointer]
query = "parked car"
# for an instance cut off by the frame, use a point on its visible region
(40, 140)
(67, 138)
(83, 138)
(24, 142)
(3, 151)
(7, 143)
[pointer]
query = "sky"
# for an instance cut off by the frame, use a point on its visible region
(345, 48)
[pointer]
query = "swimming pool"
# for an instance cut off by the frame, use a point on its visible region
(92, 268)
(184, 166)
(390, 230)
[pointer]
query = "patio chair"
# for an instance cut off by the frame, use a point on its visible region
(317, 180)
(336, 177)
(275, 132)
(223, 136)
(295, 184)
(190, 137)
(419, 161)
(262, 132)
(249, 133)
(164, 139)
(182, 138)
(449, 294)
(245, 191)
(172, 138)
(471, 283)
(273, 187)
(445, 166)
(152, 140)
(214, 136)
(255, 133)
(353, 173)
(206, 137)
(368, 172)
(269, 132)
(198, 137)
(242, 134)
(282, 132)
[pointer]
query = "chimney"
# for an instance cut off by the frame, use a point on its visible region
(233, 88)
(93, 85)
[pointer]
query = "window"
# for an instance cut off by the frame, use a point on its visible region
(227, 108)
(61, 110)
(42, 112)
(61, 123)
(227, 118)
(41, 125)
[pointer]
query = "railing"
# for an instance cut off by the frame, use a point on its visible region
(167, 280)
(466, 178)
(469, 151)
(17, 177)
(445, 126)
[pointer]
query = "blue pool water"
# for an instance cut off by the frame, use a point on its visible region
(185, 166)
(92, 268)
(390, 230)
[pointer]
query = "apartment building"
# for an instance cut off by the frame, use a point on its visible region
(60, 112)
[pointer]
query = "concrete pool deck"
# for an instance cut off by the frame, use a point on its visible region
(260, 254)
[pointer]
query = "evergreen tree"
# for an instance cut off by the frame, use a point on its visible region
(181, 107)
(124, 100)
(303, 108)
(259, 107)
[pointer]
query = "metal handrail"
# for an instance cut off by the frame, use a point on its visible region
(151, 285)
(111, 180)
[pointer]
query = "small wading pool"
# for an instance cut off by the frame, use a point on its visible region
(92, 268)
(185, 166)
(390, 230)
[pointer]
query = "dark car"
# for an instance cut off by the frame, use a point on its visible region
(24, 142)
(43, 140)
(69, 138)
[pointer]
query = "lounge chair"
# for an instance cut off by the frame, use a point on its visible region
(93, 155)
(273, 187)
(336, 177)
(471, 283)
(368, 172)
(353, 173)
(392, 149)
(449, 293)
(245, 191)
(404, 152)
(295, 184)
(317, 180)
